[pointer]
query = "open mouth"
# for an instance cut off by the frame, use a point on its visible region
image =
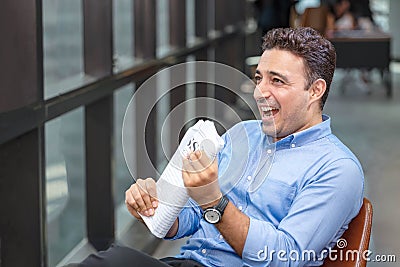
(268, 112)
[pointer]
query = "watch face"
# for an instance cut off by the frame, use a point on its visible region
(212, 215)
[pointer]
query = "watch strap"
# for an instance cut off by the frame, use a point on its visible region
(222, 204)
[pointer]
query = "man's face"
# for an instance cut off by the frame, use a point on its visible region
(282, 100)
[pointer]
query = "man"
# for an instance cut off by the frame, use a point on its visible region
(310, 193)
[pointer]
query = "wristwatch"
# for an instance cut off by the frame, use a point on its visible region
(214, 214)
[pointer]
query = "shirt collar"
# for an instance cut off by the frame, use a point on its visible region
(306, 136)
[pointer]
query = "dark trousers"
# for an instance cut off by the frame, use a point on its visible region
(118, 256)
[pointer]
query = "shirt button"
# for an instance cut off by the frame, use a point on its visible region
(293, 145)
(249, 178)
(221, 237)
(240, 208)
(269, 151)
(203, 251)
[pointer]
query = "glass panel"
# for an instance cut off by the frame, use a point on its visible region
(380, 12)
(163, 127)
(162, 25)
(65, 184)
(302, 5)
(190, 110)
(63, 46)
(190, 22)
(122, 177)
(123, 34)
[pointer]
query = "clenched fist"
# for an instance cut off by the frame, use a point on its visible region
(200, 177)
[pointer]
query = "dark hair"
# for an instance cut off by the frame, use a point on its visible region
(318, 53)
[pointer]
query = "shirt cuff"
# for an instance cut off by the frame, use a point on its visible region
(182, 227)
(260, 239)
(188, 214)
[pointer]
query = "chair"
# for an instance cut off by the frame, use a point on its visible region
(315, 17)
(357, 237)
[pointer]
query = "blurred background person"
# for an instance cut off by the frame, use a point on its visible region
(363, 15)
(273, 14)
(365, 22)
(340, 17)
(345, 15)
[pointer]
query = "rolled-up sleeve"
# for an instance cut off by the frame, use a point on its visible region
(318, 216)
(189, 220)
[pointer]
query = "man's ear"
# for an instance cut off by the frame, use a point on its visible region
(317, 90)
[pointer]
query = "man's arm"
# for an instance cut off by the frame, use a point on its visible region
(234, 226)
(141, 197)
(200, 177)
(174, 229)
(313, 221)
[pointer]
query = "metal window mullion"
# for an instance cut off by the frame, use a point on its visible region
(177, 31)
(145, 29)
(145, 48)
(177, 23)
(221, 7)
(98, 50)
(19, 54)
(21, 207)
(22, 185)
(201, 21)
(99, 186)
(98, 42)
(201, 28)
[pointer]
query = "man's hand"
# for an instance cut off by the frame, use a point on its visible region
(200, 177)
(141, 197)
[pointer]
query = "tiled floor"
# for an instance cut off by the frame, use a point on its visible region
(370, 125)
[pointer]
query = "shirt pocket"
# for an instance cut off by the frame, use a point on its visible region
(272, 200)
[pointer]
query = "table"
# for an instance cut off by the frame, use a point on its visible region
(362, 49)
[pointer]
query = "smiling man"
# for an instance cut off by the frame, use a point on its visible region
(288, 100)
(304, 201)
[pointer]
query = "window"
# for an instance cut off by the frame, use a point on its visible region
(65, 184)
(122, 177)
(63, 46)
(123, 34)
(380, 12)
(190, 22)
(162, 26)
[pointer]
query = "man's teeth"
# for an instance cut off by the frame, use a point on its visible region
(267, 111)
(266, 108)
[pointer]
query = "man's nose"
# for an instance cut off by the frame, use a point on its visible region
(261, 92)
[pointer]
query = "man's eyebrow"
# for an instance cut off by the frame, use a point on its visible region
(283, 77)
(274, 73)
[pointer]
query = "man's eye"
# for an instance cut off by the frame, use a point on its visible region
(257, 79)
(276, 80)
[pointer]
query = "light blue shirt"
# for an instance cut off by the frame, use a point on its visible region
(302, 198)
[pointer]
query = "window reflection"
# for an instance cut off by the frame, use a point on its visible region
(65, 184)
(162, 26)
(62, 46)
(123, 34)
(122, 177)
(190, 22)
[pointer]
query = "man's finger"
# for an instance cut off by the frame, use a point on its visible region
(187, 166)
(129, 199)
(137, 196)
(151, 187)
(147, 210)
(194, 161)
(134, 213)
(204, 160)
(152, 190)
